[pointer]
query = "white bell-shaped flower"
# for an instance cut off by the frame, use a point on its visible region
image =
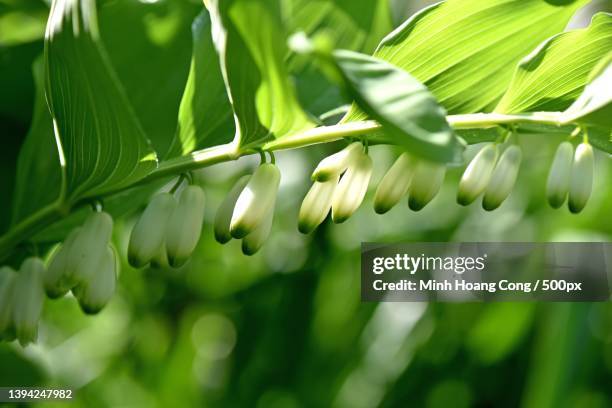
(582, 178)
(394, 184)
(559, 178)
(149, 232)
(352, 188)
(255, 200)
(477, 175)
(185, 226)
(425, 185)
(316, 205)
(56, 282)
(503, 178)
(28, 300)
(97, 291)
(223, 218)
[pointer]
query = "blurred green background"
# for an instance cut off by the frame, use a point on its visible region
(286, 328)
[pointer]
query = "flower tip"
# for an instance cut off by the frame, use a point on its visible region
(416, 205)
(575, 208)
(222, 238)
(321, 177)
(556, 202)
(90, 309)
(55, 293)
(381, 208)
(305, 228)
(248, 249)
(464, 199)
(239, 231)
(135, 261)
(176, 262)
(490, 205)
(339, 218)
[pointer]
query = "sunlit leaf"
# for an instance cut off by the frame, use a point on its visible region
(465, 51)
(553, 75)
(205, 116)
(104, 145)
(252, 48)
(594, 106)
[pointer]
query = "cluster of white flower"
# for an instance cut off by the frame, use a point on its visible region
(248, 210)
(168, 230)
(571, 174)
(85, 264)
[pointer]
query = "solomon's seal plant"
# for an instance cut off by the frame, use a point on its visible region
(429, 88)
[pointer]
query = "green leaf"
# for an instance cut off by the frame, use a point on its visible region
(356, 25)
(601, 139)
(554, 74)
(103, 145)
(405, 108)
(251, 44)
(594, 106)
(205, 115)
(149, 46)
(39, 174)
(465, 51)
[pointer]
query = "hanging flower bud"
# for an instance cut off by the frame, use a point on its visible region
(394, 185)
(223, 218)
(255, 200)
(255, 240)
(582, 178)
(559, 177)
(316, 205)
(334, 165)
(94, 294)
(477, 175)
(7, 290)
(28, 300)
(426, 182)
(185, 226)
(352, 188)
(56, 281)
(88, 247)
(149, 232)
(503, 178)
(85, 249)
